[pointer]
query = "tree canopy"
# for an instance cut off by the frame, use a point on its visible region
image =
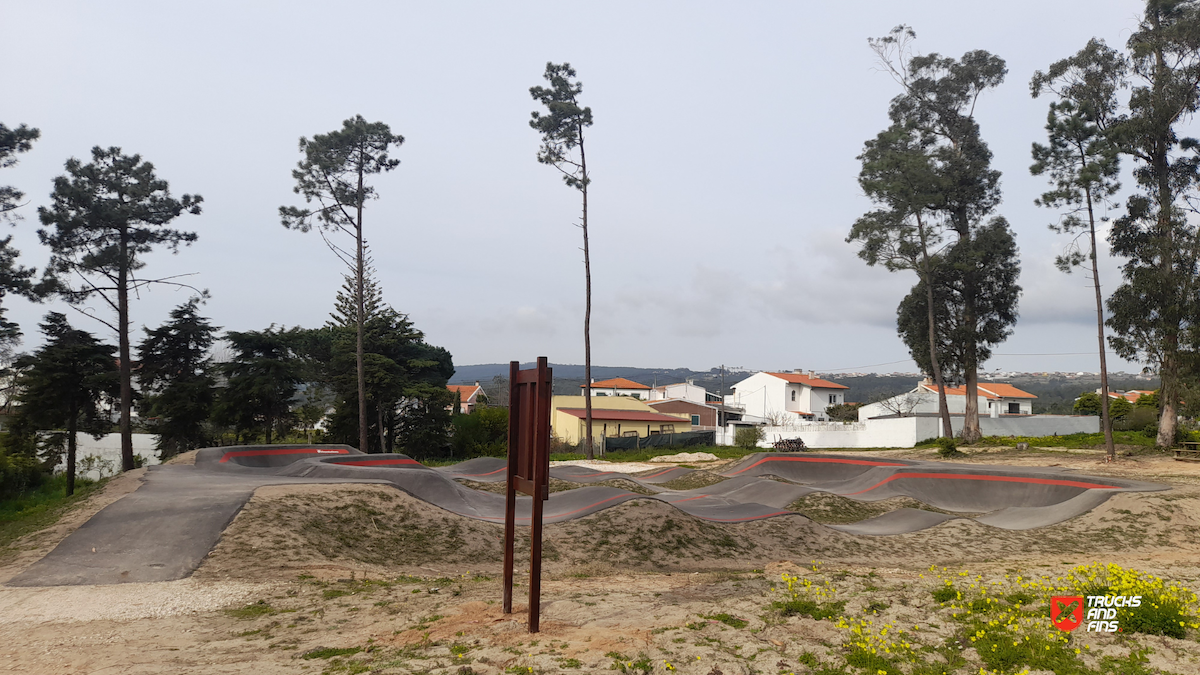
(102, 218)
(63, 384)
(178, 386)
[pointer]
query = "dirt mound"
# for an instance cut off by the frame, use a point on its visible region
(831, 509)
(560, 485)
(379, 530)
(694, 480)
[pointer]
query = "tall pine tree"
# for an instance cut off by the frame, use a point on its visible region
(176, 378)
(63, 384)
(104, 218)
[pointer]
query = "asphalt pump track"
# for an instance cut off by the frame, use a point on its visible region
(164, 529)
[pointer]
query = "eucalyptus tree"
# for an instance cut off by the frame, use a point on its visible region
(898, 174)
(333, 175)
(63, 384)
(104, 216)
(937, 102)
(562, 127)
(989, 269)
(1082, 161)
(1154, 313)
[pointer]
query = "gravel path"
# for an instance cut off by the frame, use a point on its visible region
(123, 602)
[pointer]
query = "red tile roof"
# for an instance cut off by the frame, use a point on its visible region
(814, 382)
(624, 415)
(617, 383)
(992, 390)
(466, 390)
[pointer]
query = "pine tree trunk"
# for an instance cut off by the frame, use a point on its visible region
(361, 303)
(72, 427)
(587, 314)
(126, 368)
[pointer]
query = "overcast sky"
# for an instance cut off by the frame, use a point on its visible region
(723, 158)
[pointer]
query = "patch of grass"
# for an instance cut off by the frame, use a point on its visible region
(945, 593)
(331, 593)
(1019, 598)
(329, 652)
(1082, 441)
(570, 663)
(641, 665)
(251, 611)
(727, 619)
(809, 608)
(40, 507)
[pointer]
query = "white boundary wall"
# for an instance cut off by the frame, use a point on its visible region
(109, 448)
(905, 432)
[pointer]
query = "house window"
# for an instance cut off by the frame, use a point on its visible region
(833, 399)
(793, 394)
(695, 420)
(1014, 408)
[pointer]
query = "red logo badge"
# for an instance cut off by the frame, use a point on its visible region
(1066, 611)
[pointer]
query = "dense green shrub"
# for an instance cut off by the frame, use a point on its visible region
(483, 433)
(947, 447)
(747, 437)
(18, 474)
(1136, 420)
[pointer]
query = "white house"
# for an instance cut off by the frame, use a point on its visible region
(619, 386)
(784, 397)
(995, 399)
(685, 391)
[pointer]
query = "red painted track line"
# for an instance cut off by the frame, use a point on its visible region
(482, 474)
(680, 501)
(283, 451)
(376, 462)
(822, 460)
(655, 475)
(1000, 479)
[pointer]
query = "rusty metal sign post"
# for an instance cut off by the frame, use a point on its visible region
(528, 472)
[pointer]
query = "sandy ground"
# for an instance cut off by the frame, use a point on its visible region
(416, 589)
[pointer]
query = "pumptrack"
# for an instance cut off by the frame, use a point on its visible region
(163, 530)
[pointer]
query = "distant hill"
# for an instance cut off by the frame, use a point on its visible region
(569, 377)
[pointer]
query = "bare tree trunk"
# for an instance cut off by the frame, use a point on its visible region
(587, 314)
(1105, 419)
(361, 302)
(126, 368)
(943, 406)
